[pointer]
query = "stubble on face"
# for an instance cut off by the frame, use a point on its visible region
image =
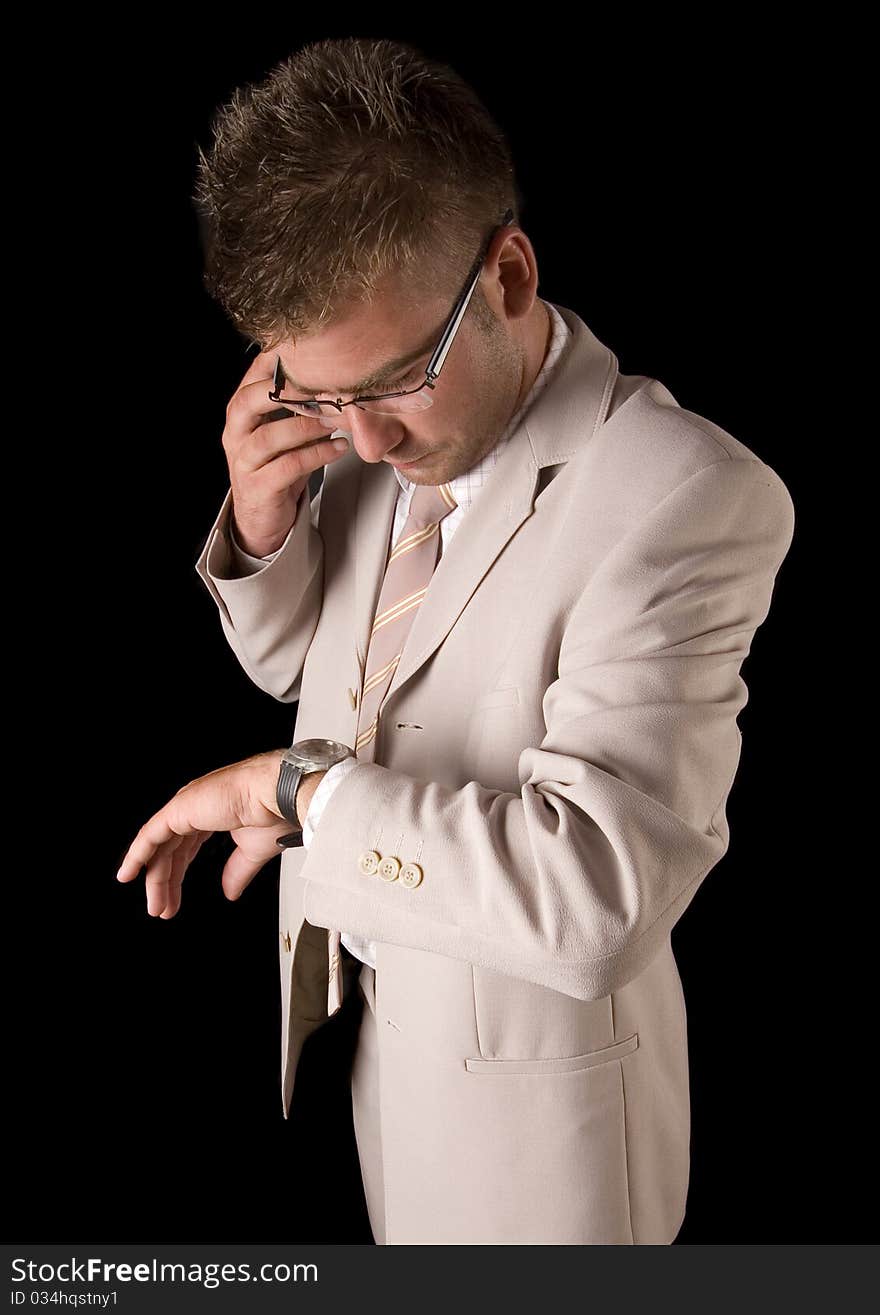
(497, 365)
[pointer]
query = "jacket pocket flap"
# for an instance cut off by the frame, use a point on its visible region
(568, 1065)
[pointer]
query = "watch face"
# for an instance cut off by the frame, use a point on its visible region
(316, 755)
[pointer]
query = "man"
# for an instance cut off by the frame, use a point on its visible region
(541, 752)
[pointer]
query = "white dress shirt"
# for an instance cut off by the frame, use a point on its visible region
(464, 489)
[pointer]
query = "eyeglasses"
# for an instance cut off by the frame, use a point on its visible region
(412, 399)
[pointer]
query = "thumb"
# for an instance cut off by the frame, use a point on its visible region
(239, 871)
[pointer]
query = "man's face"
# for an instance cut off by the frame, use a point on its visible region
(474, 397)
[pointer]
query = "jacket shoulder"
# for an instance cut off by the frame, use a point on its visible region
(650, 445)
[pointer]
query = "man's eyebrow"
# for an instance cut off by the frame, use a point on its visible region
(378, 376)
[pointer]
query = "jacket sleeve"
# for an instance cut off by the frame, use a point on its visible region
(575, 882)
(269, 613)
(244, 563)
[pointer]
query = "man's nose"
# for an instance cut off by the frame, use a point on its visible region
(373, 435)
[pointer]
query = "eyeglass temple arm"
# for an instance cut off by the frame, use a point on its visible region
(435, 365)
(277, 380)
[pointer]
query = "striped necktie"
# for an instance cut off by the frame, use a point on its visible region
(407, 576)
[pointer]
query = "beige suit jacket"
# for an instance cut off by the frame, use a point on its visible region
(555, 754)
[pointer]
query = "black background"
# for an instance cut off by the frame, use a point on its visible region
(669, 197)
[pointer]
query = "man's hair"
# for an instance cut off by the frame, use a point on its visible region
(356, 159)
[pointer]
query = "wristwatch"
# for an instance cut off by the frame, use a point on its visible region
(301, 759)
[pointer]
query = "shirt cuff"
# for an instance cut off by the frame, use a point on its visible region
(329, 782)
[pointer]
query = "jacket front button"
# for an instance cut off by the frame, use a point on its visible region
(352, 698)
(411, 875)
(285, 940)
(369, 862)
(389, 868)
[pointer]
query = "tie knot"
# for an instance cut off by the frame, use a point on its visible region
(430, 503)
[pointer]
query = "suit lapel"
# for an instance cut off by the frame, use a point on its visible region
(560, 421)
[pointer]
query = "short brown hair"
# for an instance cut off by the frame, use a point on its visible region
(356, 158)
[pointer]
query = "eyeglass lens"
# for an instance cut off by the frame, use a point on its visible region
(383, 406)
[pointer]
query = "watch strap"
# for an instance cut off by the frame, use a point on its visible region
(290, 841)
(289, 778)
